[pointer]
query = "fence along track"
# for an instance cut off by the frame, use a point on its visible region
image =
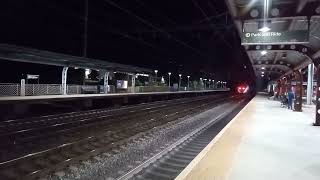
(37, 164)
(14, 89)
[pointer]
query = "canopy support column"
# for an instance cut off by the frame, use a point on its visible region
(317, 123)
(106, 82)
(64, 80)
(133, 83)
(310, 84)
(298, 91)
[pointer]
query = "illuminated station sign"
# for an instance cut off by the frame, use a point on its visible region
(284, 37)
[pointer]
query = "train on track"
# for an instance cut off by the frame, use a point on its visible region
(243, 89)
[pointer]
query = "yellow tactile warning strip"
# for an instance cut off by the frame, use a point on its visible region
(215, 161)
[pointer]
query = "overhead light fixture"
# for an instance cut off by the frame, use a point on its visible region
(87, 72)
(141, 74)
(262, 75)
(264, 52)
(263, 68)
(254, 13)
(275, 12)
(264, 29)
(262, 72)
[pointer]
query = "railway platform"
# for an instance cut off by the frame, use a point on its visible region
(264, 141)
(13, 107)
(9, 99)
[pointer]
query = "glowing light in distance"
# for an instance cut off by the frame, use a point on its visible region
(264, 29)
(264, 52)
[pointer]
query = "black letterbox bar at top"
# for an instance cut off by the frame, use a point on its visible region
(282, 37)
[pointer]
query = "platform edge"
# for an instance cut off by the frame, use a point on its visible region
(183, 175)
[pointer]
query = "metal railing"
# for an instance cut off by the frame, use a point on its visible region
(42, 89)
(151, 89)
(11, 89)
(47, 89)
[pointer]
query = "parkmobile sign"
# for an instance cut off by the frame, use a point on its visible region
(284, 37)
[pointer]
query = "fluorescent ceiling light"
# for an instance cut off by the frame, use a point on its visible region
(264, 29)
(263, 68)
(264, 52)
(262, 75)
(262, 72)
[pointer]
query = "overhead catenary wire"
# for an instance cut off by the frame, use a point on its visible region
(168, 19)
(103, 27)
(213, 17)
(144, 21)
(85, 36)
(208, 19)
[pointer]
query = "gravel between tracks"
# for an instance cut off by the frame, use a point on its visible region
(111, 165)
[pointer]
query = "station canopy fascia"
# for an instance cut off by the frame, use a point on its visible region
(22, 54)
(279, 59)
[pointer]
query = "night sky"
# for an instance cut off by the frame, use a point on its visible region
(191, 37)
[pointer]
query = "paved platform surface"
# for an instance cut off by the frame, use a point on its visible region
(262, 142)
(45, 97)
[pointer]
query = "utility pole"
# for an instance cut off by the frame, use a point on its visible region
(85, 36)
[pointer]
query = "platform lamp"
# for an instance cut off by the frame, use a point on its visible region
(169, 73)
(209, 83)
(188, 81)
(156, 72)
(179, 81)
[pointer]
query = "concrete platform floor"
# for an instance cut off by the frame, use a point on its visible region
(262, 142)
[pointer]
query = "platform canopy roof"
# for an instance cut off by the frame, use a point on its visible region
(279, 58)
(22, 54)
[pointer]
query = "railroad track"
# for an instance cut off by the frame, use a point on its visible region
(171, 161)
(69, 138)
(15, 134)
